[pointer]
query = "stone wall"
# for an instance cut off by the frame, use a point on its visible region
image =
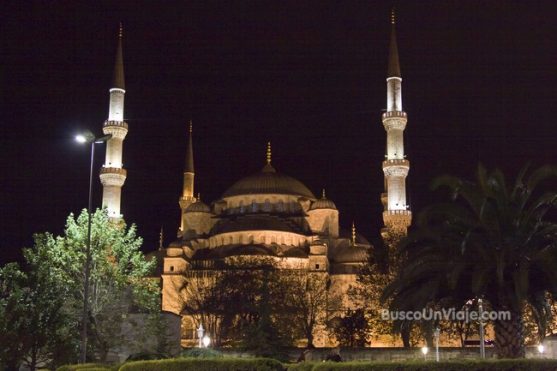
(391, 354)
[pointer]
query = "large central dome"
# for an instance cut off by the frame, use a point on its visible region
(268, 181)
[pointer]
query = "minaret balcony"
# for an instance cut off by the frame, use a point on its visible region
(113, 176)
(394, 120)
(118, 129)
(398, 220)
(394, 114)
(396, 167)
(121, 124)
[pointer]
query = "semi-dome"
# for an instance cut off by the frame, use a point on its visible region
(198, 207)
(323, 203)
(268, 181)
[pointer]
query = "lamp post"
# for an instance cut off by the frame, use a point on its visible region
(200, 332)
(425, 350)
(482, 335)
(88, 137)
(436, 334)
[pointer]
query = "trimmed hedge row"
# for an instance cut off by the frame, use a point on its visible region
(452, 365)
(216, 364)
(85, 367)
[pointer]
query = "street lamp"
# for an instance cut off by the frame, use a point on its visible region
(425, 350)
(482, 334)
(88, 137)
(541, 349)
(436, 334)
(200, 332)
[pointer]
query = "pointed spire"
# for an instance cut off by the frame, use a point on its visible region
(189, 152)
(394, 66)
(323, 196)
(268, 168)
(118, 78)
(353, 234)
(161, 239)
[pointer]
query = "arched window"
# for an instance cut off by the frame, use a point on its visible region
(267, 206)
(188, 329)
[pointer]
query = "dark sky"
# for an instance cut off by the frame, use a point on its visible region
(479, 84)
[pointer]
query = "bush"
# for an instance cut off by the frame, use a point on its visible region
(201, 353)
(145, 356)
(452, 365)
(192, 364)
(303, 366)
(84, 367)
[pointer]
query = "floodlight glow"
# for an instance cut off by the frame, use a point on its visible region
(541, 348)
(425, 350)
(80, 138)
(206, 341)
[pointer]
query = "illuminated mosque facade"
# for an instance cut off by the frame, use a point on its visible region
(268, 214)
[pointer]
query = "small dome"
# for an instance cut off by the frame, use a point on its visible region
(323, 203)
(268, 181)
(349, 254)
(198, 207)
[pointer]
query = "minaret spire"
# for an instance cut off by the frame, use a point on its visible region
(269, 153)
(188, 187)
(112, 174)
(118, 80)
(394, 65)
(396, 216)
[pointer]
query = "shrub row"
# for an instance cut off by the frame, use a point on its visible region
(216, 364)
(452, 365)
(85, 367)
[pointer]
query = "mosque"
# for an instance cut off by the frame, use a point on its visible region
(265, 215)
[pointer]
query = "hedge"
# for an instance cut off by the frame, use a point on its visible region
(216, 364)
(85, 367)
(451, 365)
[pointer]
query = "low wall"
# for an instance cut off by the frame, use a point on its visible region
(390, 354)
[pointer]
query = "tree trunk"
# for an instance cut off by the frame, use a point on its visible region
(309, 335)
(405, 330)
(509, 337)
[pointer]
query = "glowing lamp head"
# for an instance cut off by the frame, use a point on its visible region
(206, 341)
(541, 348)
(85, 137)
(425, 350)
(80, 138)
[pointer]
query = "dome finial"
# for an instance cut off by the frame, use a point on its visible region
(198, 196)
(161, 238)
(323, 196)
(393, 16)
(121, 31)
(191, 127)
(269, 153)
(353, 234)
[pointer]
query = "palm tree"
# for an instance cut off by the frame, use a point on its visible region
(488, 241)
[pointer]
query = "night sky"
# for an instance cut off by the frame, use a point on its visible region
(479, 84)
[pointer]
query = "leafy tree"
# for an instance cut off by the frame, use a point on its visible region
(117, 281)
(352, 330)
(13, 302)
(491, 241)
(33, 321)
(41, 306)
(306, 301)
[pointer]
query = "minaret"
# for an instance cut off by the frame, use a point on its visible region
(187, 189)
(112, 174)
(396, 214)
